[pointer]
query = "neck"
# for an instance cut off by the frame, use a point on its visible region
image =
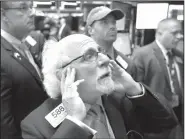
(107, 47)
(88, 105)
(13, 32)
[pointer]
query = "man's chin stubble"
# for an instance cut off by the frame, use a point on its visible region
(106, 85)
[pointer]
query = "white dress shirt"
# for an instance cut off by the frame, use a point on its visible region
(164, 51)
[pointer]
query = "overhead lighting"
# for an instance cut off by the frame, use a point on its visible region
(77, 14)
(101, 2)
(69, 3)
(42, 3)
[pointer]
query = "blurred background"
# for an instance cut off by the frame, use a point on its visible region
(136, 29)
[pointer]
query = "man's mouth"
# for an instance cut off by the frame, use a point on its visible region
(107, 74)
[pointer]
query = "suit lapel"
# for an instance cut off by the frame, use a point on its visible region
(159, 55)
(115, 118)
(21, 59)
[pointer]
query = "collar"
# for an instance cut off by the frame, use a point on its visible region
(10, 38)
(163, 49)
(98, 102)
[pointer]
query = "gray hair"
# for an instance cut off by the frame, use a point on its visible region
(51, 62)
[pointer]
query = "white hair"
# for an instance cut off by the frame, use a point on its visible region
(51, 62)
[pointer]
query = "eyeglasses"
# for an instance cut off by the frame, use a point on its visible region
(89, 56)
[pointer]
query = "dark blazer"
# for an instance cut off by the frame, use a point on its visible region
(21, 90)
(152, 70)
(65, 32)
(156, 116)
(36, 50)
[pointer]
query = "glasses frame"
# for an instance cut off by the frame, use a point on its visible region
(80, 57)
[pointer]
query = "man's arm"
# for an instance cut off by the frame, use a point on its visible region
(152, 109)
(8, 128)
(153, 112)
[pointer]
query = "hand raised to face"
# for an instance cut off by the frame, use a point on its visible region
(123, 81)
(70, 98)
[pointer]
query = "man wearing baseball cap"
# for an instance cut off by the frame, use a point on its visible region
(101, 26)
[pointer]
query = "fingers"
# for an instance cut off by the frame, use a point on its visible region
(62, 83)
(114, 64)
(72, 75)
(78, 82)
(68, 86)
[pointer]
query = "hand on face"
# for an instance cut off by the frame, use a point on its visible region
(70, 98)
(124, 83)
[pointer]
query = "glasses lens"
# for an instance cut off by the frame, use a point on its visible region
(90, 55)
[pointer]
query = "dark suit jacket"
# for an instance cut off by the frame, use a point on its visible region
(156, 116)
(21, 90)
(36, 50)
(65, 32)
(152, 70)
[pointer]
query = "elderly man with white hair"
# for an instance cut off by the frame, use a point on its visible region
(92, 97)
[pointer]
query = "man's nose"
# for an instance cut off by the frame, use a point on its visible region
(103, 60)
(180, 36)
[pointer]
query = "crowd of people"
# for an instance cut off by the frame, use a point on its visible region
(55, 84)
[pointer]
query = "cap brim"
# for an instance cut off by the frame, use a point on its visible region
(118, 14)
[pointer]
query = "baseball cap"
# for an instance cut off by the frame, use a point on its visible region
(100, 12)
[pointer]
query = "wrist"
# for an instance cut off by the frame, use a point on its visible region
(136, 90)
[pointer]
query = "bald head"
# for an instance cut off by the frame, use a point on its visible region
(166, 24)
(168, 32)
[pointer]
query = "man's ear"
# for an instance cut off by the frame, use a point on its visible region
(90, 30)
(3, 15)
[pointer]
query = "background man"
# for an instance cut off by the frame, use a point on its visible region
(80, 76)
(101, 24)
(159, 68)
(21, 85)
(64, 30)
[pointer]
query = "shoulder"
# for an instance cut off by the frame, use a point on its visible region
(40, 112)
(144, 51)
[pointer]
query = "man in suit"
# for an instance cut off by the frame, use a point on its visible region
(21, 85)
(153, 63)
(64, 30)
(101, 26)
(35, 42)
(159, 70)
(92, 104)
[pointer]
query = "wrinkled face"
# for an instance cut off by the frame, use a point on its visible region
(94, 68)
(171, 36)
(104, 29)
(20, 17)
